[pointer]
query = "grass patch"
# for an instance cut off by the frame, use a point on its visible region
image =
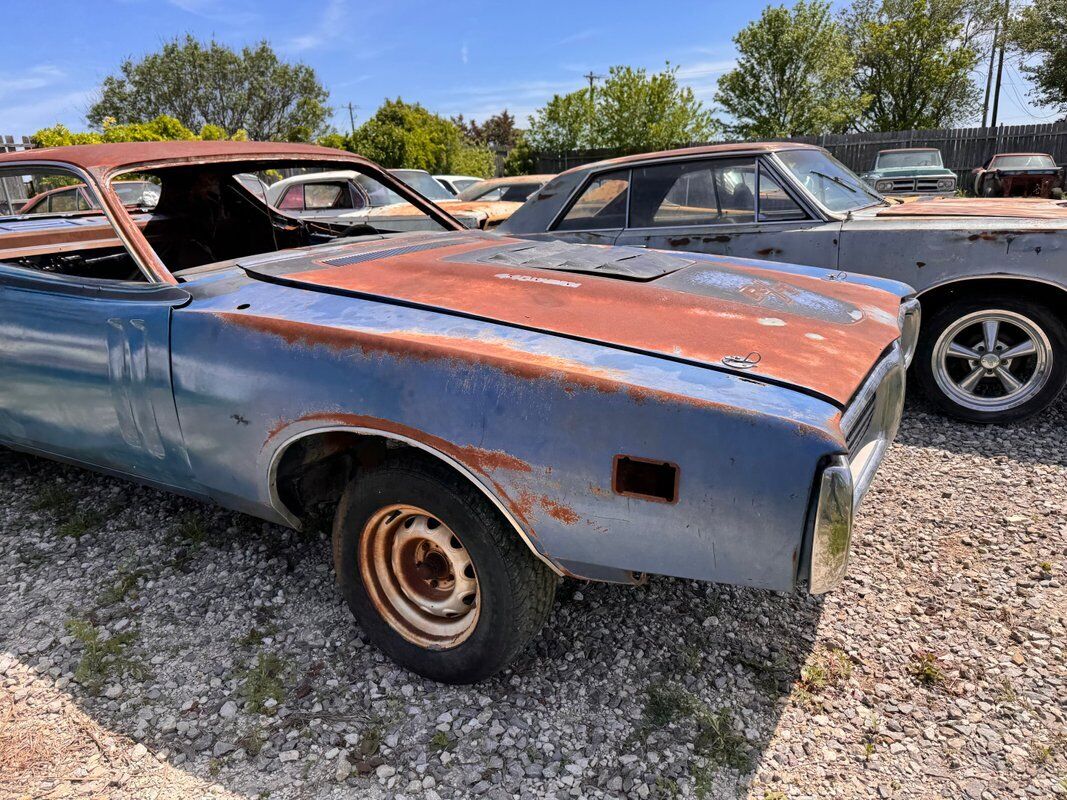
(264, 682)
(256, 635)
(80, 523)
(825, 669)
(371, 741)
(55, 499)
(124, 587)
(441, 741)
(924, 668)
(191, 529)
(102, 659)
(252, 741)
(1045, 567)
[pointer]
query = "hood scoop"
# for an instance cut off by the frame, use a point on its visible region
(632, 263)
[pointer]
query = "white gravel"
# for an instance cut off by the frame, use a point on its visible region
(938, 670)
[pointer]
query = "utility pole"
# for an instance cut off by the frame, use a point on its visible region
(592, 78)
(352, 117)
(989, 74)
(1000, 63)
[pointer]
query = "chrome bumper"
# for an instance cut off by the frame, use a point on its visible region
(870, 424)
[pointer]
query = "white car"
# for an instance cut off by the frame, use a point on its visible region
(456, 183)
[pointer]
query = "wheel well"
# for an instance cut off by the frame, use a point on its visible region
(1046, 294)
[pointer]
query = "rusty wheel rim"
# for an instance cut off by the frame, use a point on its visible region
(419, 576)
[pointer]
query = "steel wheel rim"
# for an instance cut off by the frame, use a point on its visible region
(419, 576)
(992, 360)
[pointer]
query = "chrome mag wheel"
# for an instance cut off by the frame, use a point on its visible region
(992, 360)
(419, 576)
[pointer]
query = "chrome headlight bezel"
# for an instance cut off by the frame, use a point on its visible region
(883, 186)
(946, 184)
(831, 539)
(909, 319)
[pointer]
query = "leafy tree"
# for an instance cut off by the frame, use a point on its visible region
(793, 77)
(632, 110)
(912, 63)
(635, 111)
(1038, 33)
(497, 131)
(160, 129)
(521, 159)
(564, 123)
(406, 135)
(209, 83)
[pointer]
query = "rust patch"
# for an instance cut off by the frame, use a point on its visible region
(769, 251)
(1016, 207)
(529, 500)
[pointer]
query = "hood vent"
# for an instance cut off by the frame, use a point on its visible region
(632, 263)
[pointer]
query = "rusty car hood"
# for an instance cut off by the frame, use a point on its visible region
(802, 327)
(1004, 207)
(495, 211)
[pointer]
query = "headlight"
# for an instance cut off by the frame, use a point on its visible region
(832, 534)
(883, 186)
(908, 318)
(946, 184)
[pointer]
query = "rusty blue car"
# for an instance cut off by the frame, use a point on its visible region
(480, 414)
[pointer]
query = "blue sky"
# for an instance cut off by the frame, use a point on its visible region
(470, 57)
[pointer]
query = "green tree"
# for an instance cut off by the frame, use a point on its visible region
(635, 111)
(564, 123)
(406, 135)
(1038, 35)
(912, 63)
(521, 158)
(200, 83)
(160, 129)
(793, 76)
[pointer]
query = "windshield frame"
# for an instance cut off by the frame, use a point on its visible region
(1000, 158)
(863, 190)
(428, 180)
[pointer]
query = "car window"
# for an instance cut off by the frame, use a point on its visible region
(495, 193)
(64, 202)
(828, 181)
(601, 205)
(719, 192)
(1034, 161)
(63, 232)
(775, 204)
(518, 193)
(319, 196)
(136, 193)
(423, 183)
(460, 185)
(293, 199)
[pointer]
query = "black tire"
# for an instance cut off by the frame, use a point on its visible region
(990, 187)
(947, 316)
(515, 589)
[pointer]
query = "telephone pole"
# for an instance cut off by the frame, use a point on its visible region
(352, 117)
(1000, 63)
(592, 78)
(989, 75)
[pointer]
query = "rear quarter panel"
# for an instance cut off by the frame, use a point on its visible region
(537, 419)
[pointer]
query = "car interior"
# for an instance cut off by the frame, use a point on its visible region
(205, 213)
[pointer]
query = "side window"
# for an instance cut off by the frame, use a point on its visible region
(293, 199)
(321, 196)
(706, 192)
(63, 232)
(775, 205)
(601, 205)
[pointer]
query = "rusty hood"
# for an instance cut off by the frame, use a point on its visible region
(797, 326)
(495, 211)
(1005, 207)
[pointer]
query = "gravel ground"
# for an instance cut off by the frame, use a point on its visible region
(155, 647)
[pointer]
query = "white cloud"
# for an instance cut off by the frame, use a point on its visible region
(38, 77)
(30, 115)
(574, 38)
(328, 27)
(464, 53)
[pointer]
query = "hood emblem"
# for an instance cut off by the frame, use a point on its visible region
(742, 362)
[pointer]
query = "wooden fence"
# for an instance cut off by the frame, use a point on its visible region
(963, 149)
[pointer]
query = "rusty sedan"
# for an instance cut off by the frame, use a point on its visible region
(990, 273)
(480, 414)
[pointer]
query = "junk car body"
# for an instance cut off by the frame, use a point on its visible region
(456, 183)
(1010, 174)
(482, 414)
(911, 170)
(989, 273)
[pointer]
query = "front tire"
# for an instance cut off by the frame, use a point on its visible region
(990, 187)
(992, 362)
(436, 577)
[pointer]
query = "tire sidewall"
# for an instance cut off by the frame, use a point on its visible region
(491, 643)
(942, 319)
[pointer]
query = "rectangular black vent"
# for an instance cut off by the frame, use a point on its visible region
(644, 478)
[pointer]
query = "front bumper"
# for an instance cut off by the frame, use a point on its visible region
(870, 424)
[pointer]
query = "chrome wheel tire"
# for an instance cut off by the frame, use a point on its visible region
(993, 363)
(435, 575)
(419, 576)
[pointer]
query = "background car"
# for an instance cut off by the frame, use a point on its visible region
(482, 414)
(1007, 174)
(456, 183)
(990, 274)
(912, 170)
(75, 198)
(515, 189)
(488, 212)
